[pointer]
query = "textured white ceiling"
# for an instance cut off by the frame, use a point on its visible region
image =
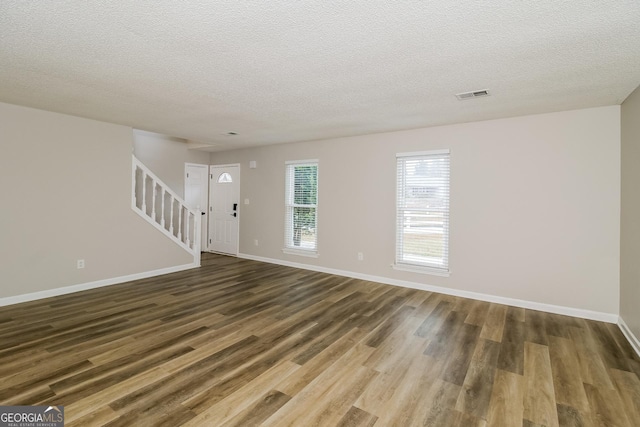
(288, 70)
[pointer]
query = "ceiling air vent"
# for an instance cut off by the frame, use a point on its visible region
(470, 95)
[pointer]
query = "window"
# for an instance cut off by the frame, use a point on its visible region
(422, 227)
(224, 178)
(301, 234)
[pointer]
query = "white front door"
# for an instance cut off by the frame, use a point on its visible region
(196, 194)
(224, 208)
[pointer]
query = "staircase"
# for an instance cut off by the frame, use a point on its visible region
(154, 201)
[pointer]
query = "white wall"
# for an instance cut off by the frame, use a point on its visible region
(535, 205)
(165, 156)
(66, 195)
(630, 216)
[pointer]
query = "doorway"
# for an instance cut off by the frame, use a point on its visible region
(224, 208)
(196, 194)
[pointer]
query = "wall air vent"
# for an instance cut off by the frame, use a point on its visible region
(470, 95)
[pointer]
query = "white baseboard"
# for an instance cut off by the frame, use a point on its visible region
(633, 340)
(568, 311)
(556, 309)
(91, 285)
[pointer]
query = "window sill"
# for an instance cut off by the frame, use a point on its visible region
(421, 269)
(301, 252)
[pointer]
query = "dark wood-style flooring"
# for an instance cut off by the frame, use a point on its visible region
(244, 343)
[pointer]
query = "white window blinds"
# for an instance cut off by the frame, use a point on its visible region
(301, 206)
(422, 228)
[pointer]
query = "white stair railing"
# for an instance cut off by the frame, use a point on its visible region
(154, 201)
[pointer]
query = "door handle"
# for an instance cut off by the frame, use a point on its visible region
(235, 214)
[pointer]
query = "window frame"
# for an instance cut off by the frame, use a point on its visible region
(401, 263)
(289, 247)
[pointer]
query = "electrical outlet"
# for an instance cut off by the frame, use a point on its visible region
(360, 256)
(255, 242)
(80, 264)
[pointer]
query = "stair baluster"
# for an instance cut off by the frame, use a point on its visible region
(187, 235)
